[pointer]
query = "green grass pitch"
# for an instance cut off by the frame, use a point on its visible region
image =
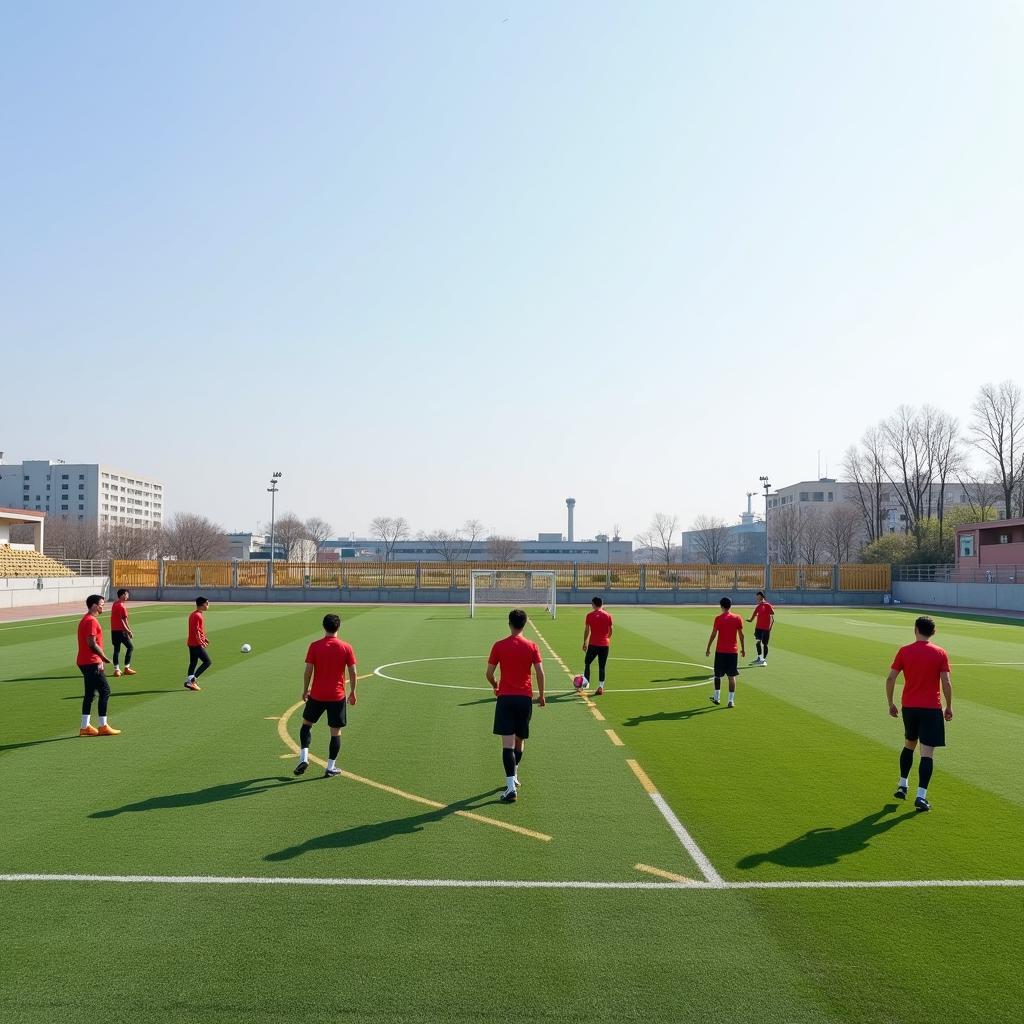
(794, 786)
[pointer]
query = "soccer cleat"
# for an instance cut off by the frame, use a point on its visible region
(89, 730)
(191, 684)
(714, 700)
(130, 672)
(764, 663)
(509, 796)
(300, 768)
(730, 705)
(518, 783)
(901, 793)
(117, 673)
(106, 730)
(330, 773)
(920, 804)
(599, 691)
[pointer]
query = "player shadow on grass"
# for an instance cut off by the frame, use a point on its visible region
(822, 846)
(703, 677)
(210, 795)
(35, 679)
(125, 693)
(35, 743)
(375, 832)
(670, 716)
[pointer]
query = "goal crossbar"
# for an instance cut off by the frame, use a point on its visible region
(513, 588)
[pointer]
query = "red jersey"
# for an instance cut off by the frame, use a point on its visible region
(729, 626)
(329, 657)
(515, 656)
(600, 623)
(89, 627)
(921, 662)
(196, 636)
(118, 616)
(763, 613)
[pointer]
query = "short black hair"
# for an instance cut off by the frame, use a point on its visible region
(517, 618)
(332, 623)
(92, 600)
(725, 603)
(596, 602)
(200, 601)
(122, 592)
(925, 625)
(760, 593)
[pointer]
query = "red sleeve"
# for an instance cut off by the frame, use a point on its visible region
(897, 662)
(944, 667)
(351, 656)
(94, 628)
(493, 658)
(536, 655)
(309, 655)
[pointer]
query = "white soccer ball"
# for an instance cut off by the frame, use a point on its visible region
(246, 648)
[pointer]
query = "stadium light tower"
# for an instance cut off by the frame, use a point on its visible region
(767, 487)
(273, 495)
(570, 504)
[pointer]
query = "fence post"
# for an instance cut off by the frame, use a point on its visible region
(234, 573)
(416, 582)
(575, 576)
(643, 577)
(768, 577)
(161, 576)
(835, 577)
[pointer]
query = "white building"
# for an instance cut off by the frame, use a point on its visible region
(82, 491)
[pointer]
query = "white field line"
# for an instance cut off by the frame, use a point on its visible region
(482, 883)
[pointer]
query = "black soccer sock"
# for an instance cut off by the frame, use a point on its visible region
(758, 645)
(334, 747)
(508, 760)
(305, 736)
(924, 772)
(519, 756)
(906, 762)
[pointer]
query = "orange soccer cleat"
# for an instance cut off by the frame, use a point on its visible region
(106, 730)
(130, 672)
(89, 730)
(117, 673)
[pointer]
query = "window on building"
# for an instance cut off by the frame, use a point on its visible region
(819, 495)
(830, 496)
(967, 545)
(1004, 538)
(805, 496)
(81, 476)
(63, 508)
(63, 476)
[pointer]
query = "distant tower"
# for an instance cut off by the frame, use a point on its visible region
(748, 517)
(570, 504)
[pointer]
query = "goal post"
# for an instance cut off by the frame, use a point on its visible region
(513, 588)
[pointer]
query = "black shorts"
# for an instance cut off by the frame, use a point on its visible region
(337, 712)
(512, 716)
(761, 634)
(726, 664)
(926, 725)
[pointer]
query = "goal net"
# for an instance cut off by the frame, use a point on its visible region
(513, 588)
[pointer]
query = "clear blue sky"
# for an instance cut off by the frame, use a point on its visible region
(451, 260)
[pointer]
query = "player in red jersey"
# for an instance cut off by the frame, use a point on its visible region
(517, 657)
(121, 634)
(728, 628)
(925, 668)
(597, 638)
(323, 689)
(197, 643)
(91, 660)
(765, 615)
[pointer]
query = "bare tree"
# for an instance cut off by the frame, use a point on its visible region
(982, 495)
(785, 536)
(448, 545)
(813, 536)
(659, 537)
(865, 466)
(842, 524)
(121, 540)
(997, 430)
(473, 531)
(290, 534)
(616, 532)
(503, 549)
(909, 467)
(317, 531)
(947, 457)
(72, 538)
(190, 537)
(711, 535)
(389, 530)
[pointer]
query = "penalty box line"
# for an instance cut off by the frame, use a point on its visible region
(482, 883)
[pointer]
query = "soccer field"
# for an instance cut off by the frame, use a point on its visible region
(668, 860)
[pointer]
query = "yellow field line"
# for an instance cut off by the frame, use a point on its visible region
(662, 874)
(282, 731)
(614, 737)
(597, 714)
(642, 776)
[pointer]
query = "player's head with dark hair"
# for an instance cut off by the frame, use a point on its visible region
(596, 602)
(760, 594)
(201, 602)
(122, 594)
(725, 603)
(332, 623)
(517, 618)
(93, 601)
(925, 625)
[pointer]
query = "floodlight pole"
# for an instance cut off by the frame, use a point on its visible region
(273, 495)
(767, 560)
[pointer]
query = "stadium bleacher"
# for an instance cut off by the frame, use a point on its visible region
(18, 562)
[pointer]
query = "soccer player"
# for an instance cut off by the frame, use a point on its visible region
(765, 615)
(91, 660)
(925, 668)
(597, 638)
(197, 645)
(121, 633)
(323, 689)
(516, 657)
(728, 628)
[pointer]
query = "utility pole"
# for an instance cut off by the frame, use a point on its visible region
(273, 495)
(767, 560)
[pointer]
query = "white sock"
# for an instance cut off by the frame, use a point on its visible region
(732, 698)
(510, 783)
(921, 792)
(103, 720)
(904, 783)
(718, 693)
(330, 764)
(85, 721)
(304, 756)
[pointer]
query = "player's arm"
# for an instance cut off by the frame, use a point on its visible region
(743, 642)
(491, 679)
(586, 635)
(752, 614)
(947, 692)
(307, 681)
(352, 678)
(96, 649)
(711, 640)
(890, 687)
(538, 670)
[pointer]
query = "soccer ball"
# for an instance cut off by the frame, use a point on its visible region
(246, 648)
(579, 682)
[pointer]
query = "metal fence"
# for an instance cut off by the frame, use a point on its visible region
(951, 574)
(86, 566)
(360, 575)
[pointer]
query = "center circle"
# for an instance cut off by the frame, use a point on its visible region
(380, 671)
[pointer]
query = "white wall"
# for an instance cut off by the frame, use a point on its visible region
(25, 593)
(987, 596)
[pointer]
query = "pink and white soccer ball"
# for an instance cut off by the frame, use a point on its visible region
(579, 682)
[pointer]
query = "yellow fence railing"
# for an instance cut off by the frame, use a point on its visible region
(360, 575)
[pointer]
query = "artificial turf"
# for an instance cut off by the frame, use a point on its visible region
(793, 785)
